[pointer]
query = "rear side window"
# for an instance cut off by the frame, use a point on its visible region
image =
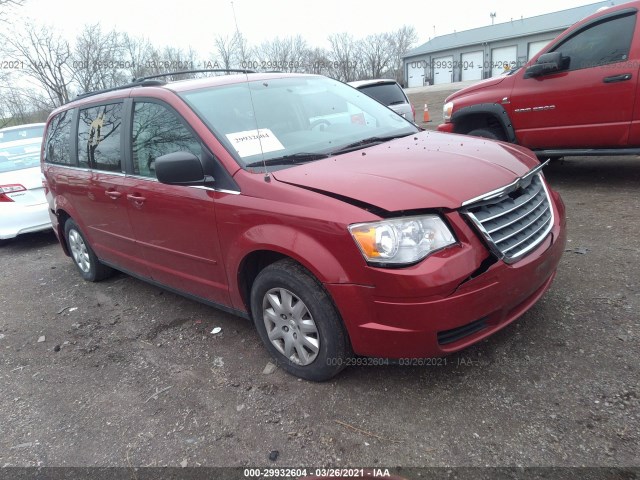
(58, 148)
(386, 93)
(600, 44)
(99, 132)
(158, 131)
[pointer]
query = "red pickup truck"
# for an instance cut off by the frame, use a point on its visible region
(576, 97)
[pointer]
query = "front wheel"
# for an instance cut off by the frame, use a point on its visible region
(83, 255)
(297, 322)
(486, 133)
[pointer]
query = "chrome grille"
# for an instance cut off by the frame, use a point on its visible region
(516, 219)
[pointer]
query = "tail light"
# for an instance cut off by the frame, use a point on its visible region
(5, 189)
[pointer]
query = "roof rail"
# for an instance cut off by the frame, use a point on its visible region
(204, 70)
(150, 81)
(135, 83)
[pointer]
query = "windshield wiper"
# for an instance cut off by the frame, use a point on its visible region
(366, 142)
(289, 159)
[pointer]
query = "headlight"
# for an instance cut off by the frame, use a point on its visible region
(447, 110)
(401, 241)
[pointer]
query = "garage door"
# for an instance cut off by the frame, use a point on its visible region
(472, 65)
(535, 47)
(443, 70)
(503, 59)
(415, 73)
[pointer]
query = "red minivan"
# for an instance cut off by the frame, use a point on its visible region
(294, 200)
(578, 96)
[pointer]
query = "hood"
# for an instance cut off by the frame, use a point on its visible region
(424, 170)
(489, 82)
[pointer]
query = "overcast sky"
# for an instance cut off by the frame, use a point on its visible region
(182, 23)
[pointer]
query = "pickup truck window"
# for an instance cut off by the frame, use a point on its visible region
(600, 44)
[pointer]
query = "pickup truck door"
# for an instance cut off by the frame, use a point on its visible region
(590, 102)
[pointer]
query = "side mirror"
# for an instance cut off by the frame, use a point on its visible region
(180, 168)
(547, 63)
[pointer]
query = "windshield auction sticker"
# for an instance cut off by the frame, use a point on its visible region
(254, 142)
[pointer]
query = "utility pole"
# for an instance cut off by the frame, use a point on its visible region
(492, 15)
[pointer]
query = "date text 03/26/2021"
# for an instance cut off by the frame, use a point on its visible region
(458, 361)
(318, 473)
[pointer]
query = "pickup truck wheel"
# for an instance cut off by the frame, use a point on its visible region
(298, 322)
(83, 255)
(486, 133)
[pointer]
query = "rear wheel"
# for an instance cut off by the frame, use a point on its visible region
(297, 321)
(83, 256)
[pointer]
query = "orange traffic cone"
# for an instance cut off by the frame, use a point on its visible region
(427, 117)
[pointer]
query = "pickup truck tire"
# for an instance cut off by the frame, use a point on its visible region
(298, 322)
(486, 133)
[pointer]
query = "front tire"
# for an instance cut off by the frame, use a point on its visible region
(83, 255)
(486, 133)
(298, 322)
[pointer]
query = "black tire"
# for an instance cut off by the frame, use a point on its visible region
(544, 158)
(83, 255)
(273, 284)
(485, 133)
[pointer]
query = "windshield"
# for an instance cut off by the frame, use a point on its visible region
(18, 157)
(21, 133)
(301, 118)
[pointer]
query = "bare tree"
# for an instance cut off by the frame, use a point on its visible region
(137, 52)
(14, 107)
(98, 60)
(232, 52)
(401, 40)
(317, 61)
(171, 60)
(376, 52)
(283, 54)
(18, 106)
(6, 5)
(242, 51)
(225, 50)
(22, 105)
(343, 57)
(46, 56)
(299, 53)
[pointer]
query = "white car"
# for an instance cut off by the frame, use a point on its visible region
(22, 132)
(23, 206)
(389, 93)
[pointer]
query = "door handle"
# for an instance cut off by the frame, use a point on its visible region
(113, 194)
(618, 78)
(136, 198)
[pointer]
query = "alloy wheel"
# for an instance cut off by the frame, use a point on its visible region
(290, 326)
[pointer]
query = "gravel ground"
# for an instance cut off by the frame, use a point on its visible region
(121, 373)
